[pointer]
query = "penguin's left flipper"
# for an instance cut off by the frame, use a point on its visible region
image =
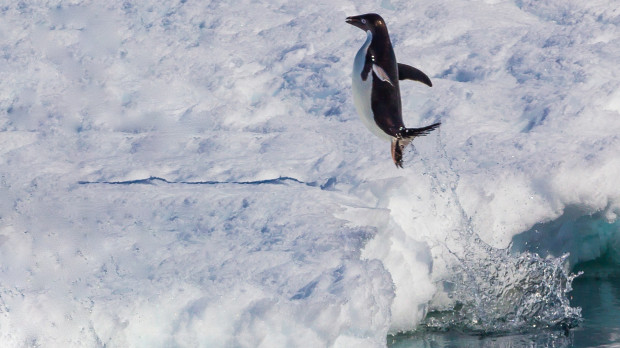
(406, 72)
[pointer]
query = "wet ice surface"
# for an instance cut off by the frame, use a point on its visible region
(181, 173)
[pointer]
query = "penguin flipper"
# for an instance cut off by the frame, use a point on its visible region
(406, 72)
(381, 74)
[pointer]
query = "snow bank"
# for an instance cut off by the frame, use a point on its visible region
(194, 174)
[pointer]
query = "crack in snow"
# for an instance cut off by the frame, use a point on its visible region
(153, 180)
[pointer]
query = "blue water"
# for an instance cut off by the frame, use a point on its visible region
(597, 293)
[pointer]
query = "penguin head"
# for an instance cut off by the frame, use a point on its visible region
(367, 22)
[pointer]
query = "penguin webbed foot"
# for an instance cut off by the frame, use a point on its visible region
(398, 145)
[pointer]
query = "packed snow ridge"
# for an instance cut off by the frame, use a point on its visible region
(302, 233)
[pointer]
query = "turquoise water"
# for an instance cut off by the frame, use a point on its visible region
(600, 303)
(597, 295)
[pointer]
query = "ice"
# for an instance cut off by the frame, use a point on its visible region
(182, 173)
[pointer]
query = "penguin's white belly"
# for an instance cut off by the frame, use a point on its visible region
(362, 92)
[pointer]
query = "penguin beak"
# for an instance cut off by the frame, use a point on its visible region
(355, 21)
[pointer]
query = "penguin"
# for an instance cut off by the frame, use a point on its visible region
(376, 93)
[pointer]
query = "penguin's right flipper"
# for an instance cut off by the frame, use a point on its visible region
(406, 72)
(381, 74)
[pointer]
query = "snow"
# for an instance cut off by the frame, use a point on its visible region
(182, 173)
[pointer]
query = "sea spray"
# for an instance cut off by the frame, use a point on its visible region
(492, 290)
(497, 292)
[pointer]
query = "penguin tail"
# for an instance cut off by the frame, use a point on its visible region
(417, 132)
(404, 138)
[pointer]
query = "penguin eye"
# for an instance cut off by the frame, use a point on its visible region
(363, 21)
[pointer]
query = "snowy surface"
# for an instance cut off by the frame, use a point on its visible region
(188, 173)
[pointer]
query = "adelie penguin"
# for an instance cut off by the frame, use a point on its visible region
(376, 93)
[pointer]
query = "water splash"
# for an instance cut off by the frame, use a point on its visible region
(500, 293)
(494, 291)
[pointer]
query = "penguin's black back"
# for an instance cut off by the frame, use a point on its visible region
(385, 97)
